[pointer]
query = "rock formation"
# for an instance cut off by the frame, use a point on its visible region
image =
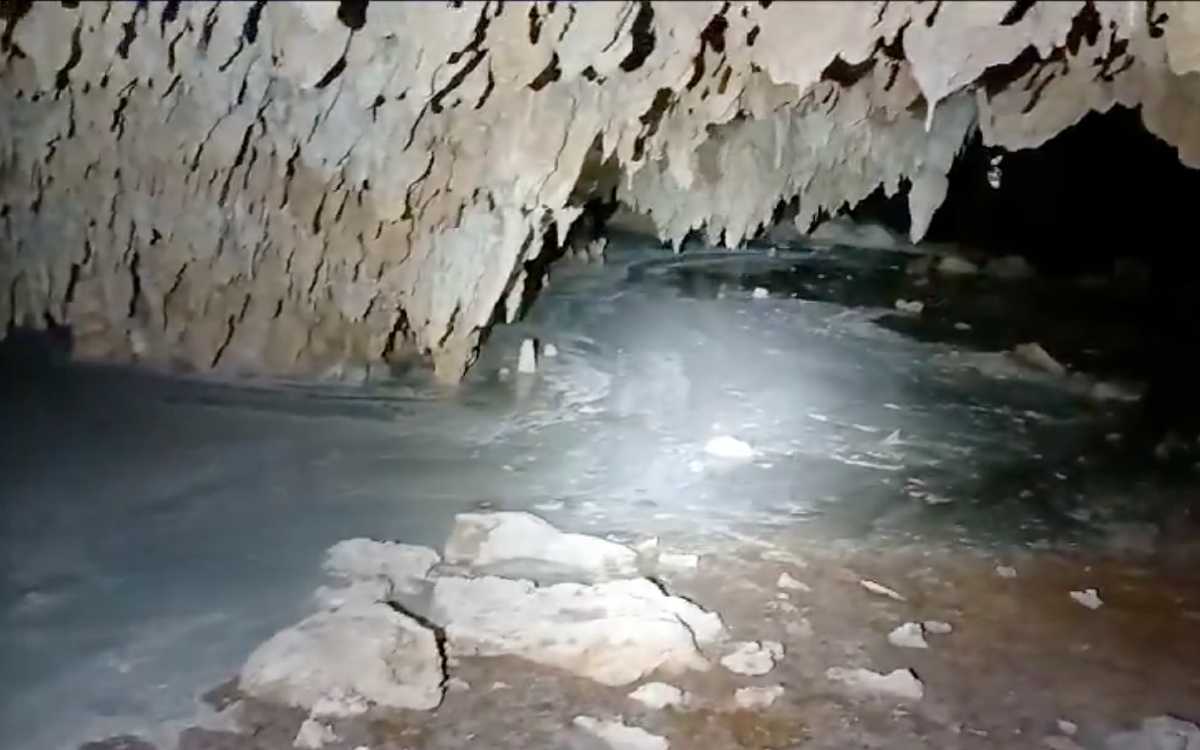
(310, 188)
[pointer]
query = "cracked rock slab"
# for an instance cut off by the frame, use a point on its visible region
(342, 662)
(619, 736)
(899, 683)
(614, 633)
(753, 657)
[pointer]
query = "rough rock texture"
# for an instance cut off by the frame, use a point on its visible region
(310, 188)
(523, 545)
(342, 662)
(614, 633)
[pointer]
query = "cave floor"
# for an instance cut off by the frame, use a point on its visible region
(155, 530)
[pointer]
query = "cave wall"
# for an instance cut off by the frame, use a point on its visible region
(303, 188)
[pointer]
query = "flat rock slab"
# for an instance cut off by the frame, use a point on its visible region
(1158, 733)
(340, 662)
(525, 546)
(614, 633)
(753, 657)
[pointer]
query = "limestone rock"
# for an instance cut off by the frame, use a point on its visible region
(619, 736)
(659, 695)
(1008, 268)
(340, 662)
(900, 683)
(314, 735)
(908, 635)
(614, 633)
(263, 189)
(953, 265)
(753, 657)
(726, 446)
(937, 627)
(786, 581)
(402, 567)
(522, 544)
(527, 358)
(1089, 598)
(1033, 355)
(881, 590)
(913, 307)
(754, 698)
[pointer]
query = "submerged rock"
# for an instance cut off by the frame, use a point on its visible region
(340, 662)
(757, 697)
(786, 581)
(1008, 268)
(881, 590)
(753, 657)
(1158, 733)
(900, 683)
(619, 736)
(908, 635)
(523, 544)
(527, 358)
(614, 633)
(1089, 598)
(954, 265)
(314, 735)
(1033, 355)
(724, 446)
(910, 307)
(659, 695)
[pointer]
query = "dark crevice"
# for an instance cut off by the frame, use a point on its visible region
(316, 221)
(1016, 12)
(643, 38)
(650, 120)
(206, 32)
(289, 173)
(62, 79)
(1155, 23)
(548, 75)
(487, 89)
(535, 25)
(752, 36)
(250, 27)
(171, 47)
(999, 77)
(932, 17)
(567, 25)
(170, 11)
(331, 75)
(12, 11)
(241, 44)
(1086, 25)
(353, 13)
(129, 32)
(844, 74)
(435, 103)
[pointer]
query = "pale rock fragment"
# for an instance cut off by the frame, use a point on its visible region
(786, 581)
(910, 307)
(337, 663)
(755, 697)
(1006, 571)
(404, 568)
(619, 736)
(314, 735)
(881, 590)
(1033, 355)
(659, 695)
(900, 683)
(954, 265)
(753, 657)
(457, 685)
(908, 635)
(760, 293)
(725, 446)
(1068, 728)
(1089, 598)
(614, 633)
(527, 357)
(937, 627)
(549, 350)
(524, 544)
